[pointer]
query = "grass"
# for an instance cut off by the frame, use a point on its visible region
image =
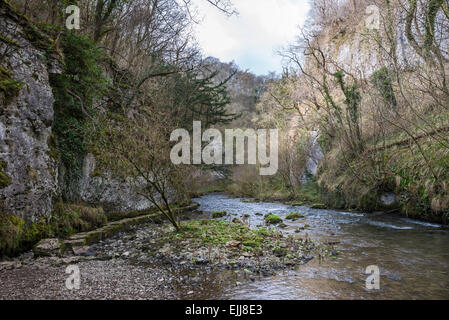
(68, 219)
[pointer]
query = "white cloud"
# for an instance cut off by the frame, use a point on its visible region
(252, 37)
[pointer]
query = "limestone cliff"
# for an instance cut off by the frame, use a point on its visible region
(31, 173)
(26, 118)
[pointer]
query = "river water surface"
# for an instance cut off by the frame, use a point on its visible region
(413, 256)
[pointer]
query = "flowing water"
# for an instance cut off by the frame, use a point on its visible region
(413, 256)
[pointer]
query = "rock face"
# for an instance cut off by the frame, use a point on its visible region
(113, 194)
(30, 178)
(26, 124)
(315, 156)
(358, 49)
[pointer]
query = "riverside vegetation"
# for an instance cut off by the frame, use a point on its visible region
(122, 92)
(376, 101)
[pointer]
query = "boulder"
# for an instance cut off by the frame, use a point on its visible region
(48, 248)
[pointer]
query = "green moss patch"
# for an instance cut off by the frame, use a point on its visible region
(222, 233)
(16, 235)
(5, 180)
(219, 214)
(8, 86)
(222, 244)
(295, 216)
(272, 219)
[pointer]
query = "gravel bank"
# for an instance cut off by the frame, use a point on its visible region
(100, 280)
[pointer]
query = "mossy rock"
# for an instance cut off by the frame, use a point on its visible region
(318, 206)
(295, 216)
(16, 235)
(295, 203)
(280, 252)
(48, 248)
(219, 214)
(273, 219)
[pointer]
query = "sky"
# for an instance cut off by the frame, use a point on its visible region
(252, 37)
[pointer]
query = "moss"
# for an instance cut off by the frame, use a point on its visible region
(295, 203)
(213, 232)
(16, 235)
(295, 216)
(8, 86)
(53, 149)
(9, 41)
(5, 180)
(96, 173)
(318, 206)
(272, 219)
(219, 214)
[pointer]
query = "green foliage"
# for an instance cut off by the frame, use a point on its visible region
(5, 180)
(352, 95)
(190, 96)
(8, 86)
(17, 235)
(432, 10)
(68, 219)
(74, 92)
(308, 193)
(382, 81)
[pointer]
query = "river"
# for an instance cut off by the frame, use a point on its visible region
(412, 256)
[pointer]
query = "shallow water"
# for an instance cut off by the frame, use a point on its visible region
(413, 256)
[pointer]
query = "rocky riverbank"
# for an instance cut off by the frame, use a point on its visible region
(151, 261)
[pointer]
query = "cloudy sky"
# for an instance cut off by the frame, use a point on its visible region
(252, 37)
